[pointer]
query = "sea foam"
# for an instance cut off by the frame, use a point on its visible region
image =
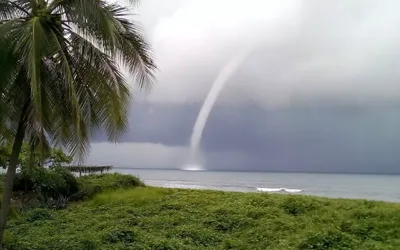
(276, 190)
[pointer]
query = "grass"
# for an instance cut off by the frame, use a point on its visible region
(161, 219)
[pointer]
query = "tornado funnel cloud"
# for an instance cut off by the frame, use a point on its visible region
(224, 75)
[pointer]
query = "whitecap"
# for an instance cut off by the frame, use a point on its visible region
(293, 190)
(269, 189)
(184, 186)
(288, 190)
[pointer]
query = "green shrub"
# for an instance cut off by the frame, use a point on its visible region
(39, 214)
(90, 185)
(78, 244)
(228, 223)
(48, 183)
(54, 187)
(326, 240)
(124, 236)
(22, 182)
(71, 182)
(295, 205)
(41, 244)
(199, 236)
(166, 244)
(20, 245)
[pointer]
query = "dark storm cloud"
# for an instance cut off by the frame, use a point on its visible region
(165, 124)
(319, 92)
(327, 138)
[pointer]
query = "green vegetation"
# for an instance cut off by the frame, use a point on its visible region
(61, 76)
(48, 187)
(55, 187)
(91, 185)
(34, 157)
(156, 218)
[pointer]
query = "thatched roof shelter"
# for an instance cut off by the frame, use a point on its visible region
(88, 169)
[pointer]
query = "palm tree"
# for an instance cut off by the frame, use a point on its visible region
(61, 75)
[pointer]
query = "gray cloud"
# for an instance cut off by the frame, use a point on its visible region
(319, 92)
(306, 49)
(307, 138)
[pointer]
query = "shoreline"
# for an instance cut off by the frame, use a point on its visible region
(370, 187)
(267, 190)
(302, 194)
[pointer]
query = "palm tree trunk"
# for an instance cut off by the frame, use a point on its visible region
(12, 167)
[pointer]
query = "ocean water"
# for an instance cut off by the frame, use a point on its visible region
(372, 187)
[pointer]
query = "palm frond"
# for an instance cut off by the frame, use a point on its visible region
(107, 25)
(12, 9)
(38, 144)
(66, 60)
(136, 55)
(133, 50)
(103, 93)
(91, 18)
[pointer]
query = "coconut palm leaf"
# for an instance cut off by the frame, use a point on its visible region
(61, 77)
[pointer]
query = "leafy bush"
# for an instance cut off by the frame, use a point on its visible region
(166, 244)
(124, 236)
(327, 240)
(71, 183)
(61, 244)
(297, 205)
(39, 214)
(48, 183)
(199, 236)
(90, 185)
(54, 187)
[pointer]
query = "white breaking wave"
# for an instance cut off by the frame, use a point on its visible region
(275, 190)
(185, 186)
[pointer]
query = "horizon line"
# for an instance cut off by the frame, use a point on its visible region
(257, 171)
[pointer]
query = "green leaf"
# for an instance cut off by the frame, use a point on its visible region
(63, 58)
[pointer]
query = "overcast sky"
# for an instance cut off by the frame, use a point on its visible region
(319, 90)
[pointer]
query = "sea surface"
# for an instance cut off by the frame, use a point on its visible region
(372, 187)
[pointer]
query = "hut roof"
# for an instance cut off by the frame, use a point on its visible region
(88, 169)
